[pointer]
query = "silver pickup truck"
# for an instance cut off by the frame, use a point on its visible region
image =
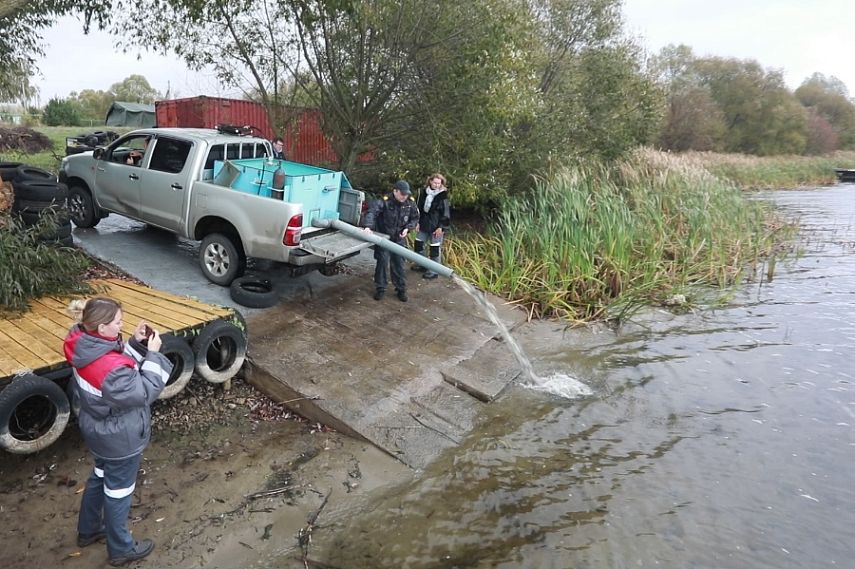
(215, 187)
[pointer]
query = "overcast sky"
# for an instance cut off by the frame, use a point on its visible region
(799, 37)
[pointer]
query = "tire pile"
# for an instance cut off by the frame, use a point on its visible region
(38, 193)
(86, 142)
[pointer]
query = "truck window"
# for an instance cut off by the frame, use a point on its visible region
(247, 150)
(170, 155)
(217, 152)
(232, 151)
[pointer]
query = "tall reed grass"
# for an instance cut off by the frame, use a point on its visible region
(763, 172)
(593, 242)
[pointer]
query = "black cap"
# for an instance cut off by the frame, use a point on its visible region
(403, 187)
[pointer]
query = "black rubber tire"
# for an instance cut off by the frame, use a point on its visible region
(30, 218)
(62, 233)
(9, 171)
(64, 242)
(39, 190)
(254, 292)
(81, 208)
(33, 173)
(34, 412)
(220, 350)
(178, 351)
(239, 321)
(220, 259)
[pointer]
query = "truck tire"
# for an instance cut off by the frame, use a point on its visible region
(220, 259)
(180, 354)
(33, 413)
(9, 171)
(32, 173)
(81, 207)
(254, 292)
(220, 350)
(39, 190)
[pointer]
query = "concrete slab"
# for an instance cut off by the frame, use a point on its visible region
(408, 377)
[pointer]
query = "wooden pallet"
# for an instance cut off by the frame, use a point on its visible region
(33, 341)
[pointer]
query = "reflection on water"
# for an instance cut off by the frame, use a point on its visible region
(719, 439)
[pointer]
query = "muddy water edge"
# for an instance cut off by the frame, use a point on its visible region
(722, 438)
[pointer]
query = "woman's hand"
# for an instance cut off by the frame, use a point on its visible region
(154, 342)
(139, 332)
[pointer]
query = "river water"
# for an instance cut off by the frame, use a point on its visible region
(718, 439)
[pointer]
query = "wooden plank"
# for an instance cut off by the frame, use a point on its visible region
(34, 340)
(24, 358)
(184, 305)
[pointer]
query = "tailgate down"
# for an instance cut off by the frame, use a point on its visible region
(333, 245)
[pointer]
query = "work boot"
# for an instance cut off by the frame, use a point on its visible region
(86, 540)
(430, 275)
(140, 550)
(379, 294)
(402, 295)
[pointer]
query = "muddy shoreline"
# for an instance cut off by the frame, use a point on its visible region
(230, 480)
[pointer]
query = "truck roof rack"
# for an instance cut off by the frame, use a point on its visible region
(236, 130)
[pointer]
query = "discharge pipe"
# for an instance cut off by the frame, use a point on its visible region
(383, 243)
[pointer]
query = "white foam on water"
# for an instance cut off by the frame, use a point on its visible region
(561, 385)
(558, 384)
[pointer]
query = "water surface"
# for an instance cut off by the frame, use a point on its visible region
(719, 439)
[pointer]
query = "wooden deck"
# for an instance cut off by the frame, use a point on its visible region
(34, 340)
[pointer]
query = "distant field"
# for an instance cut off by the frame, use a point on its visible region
(50, 159)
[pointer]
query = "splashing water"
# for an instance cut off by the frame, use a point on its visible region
(556, 384)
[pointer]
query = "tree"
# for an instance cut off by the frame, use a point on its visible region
(133, 89)
(93, 104)
(61, 112)
(828, 98)
(20, 44)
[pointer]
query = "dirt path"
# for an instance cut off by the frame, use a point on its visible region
(228, 481)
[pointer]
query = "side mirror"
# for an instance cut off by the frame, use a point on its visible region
(98, 153)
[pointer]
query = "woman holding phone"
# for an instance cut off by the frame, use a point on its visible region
(116, 383)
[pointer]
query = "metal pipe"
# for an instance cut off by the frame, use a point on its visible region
(383, 243)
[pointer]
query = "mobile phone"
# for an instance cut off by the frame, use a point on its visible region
(148, 331)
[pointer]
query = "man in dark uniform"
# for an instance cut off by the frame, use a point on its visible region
(396, 214)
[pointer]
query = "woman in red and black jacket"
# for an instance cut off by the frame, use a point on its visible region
(115, 382)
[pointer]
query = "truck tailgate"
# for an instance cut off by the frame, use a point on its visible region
(333, 245)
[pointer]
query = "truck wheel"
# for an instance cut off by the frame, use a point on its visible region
(220, 260)
(81, 207)
(33, 413)
(180, 354)
(220, 350)
(254, 292)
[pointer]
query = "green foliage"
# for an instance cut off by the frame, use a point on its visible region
(21, 22)
(596, 241)
(61, 112)
(31, 268)
(133, 89)
(93, 104)
(829, 99)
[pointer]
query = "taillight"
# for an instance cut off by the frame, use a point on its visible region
(293, 231)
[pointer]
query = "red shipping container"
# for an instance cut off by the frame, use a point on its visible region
(304, 140)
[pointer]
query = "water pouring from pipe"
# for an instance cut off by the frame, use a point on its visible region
(557, 384)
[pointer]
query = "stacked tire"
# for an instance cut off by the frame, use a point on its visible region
(37, 194)
(86, 142)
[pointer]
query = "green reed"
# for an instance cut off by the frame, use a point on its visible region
(593, 242)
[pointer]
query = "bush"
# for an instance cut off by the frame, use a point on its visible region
(61, 112)
(32, 268)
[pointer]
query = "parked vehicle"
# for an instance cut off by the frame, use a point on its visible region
(215, 186)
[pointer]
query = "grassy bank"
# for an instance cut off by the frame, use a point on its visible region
(756, 172)
(596, 243)
(50, 159)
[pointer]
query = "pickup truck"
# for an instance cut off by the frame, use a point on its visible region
(214, 186)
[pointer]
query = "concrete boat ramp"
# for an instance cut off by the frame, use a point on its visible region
(408, 377)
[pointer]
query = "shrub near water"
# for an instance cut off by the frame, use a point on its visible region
(593, 243)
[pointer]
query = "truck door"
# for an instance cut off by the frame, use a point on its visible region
(119, 173)
(166, 183)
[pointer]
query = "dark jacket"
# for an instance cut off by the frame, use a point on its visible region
(439, 214)
(116, 383)
(389, 216)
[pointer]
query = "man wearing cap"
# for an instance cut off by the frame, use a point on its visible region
(395, 215)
